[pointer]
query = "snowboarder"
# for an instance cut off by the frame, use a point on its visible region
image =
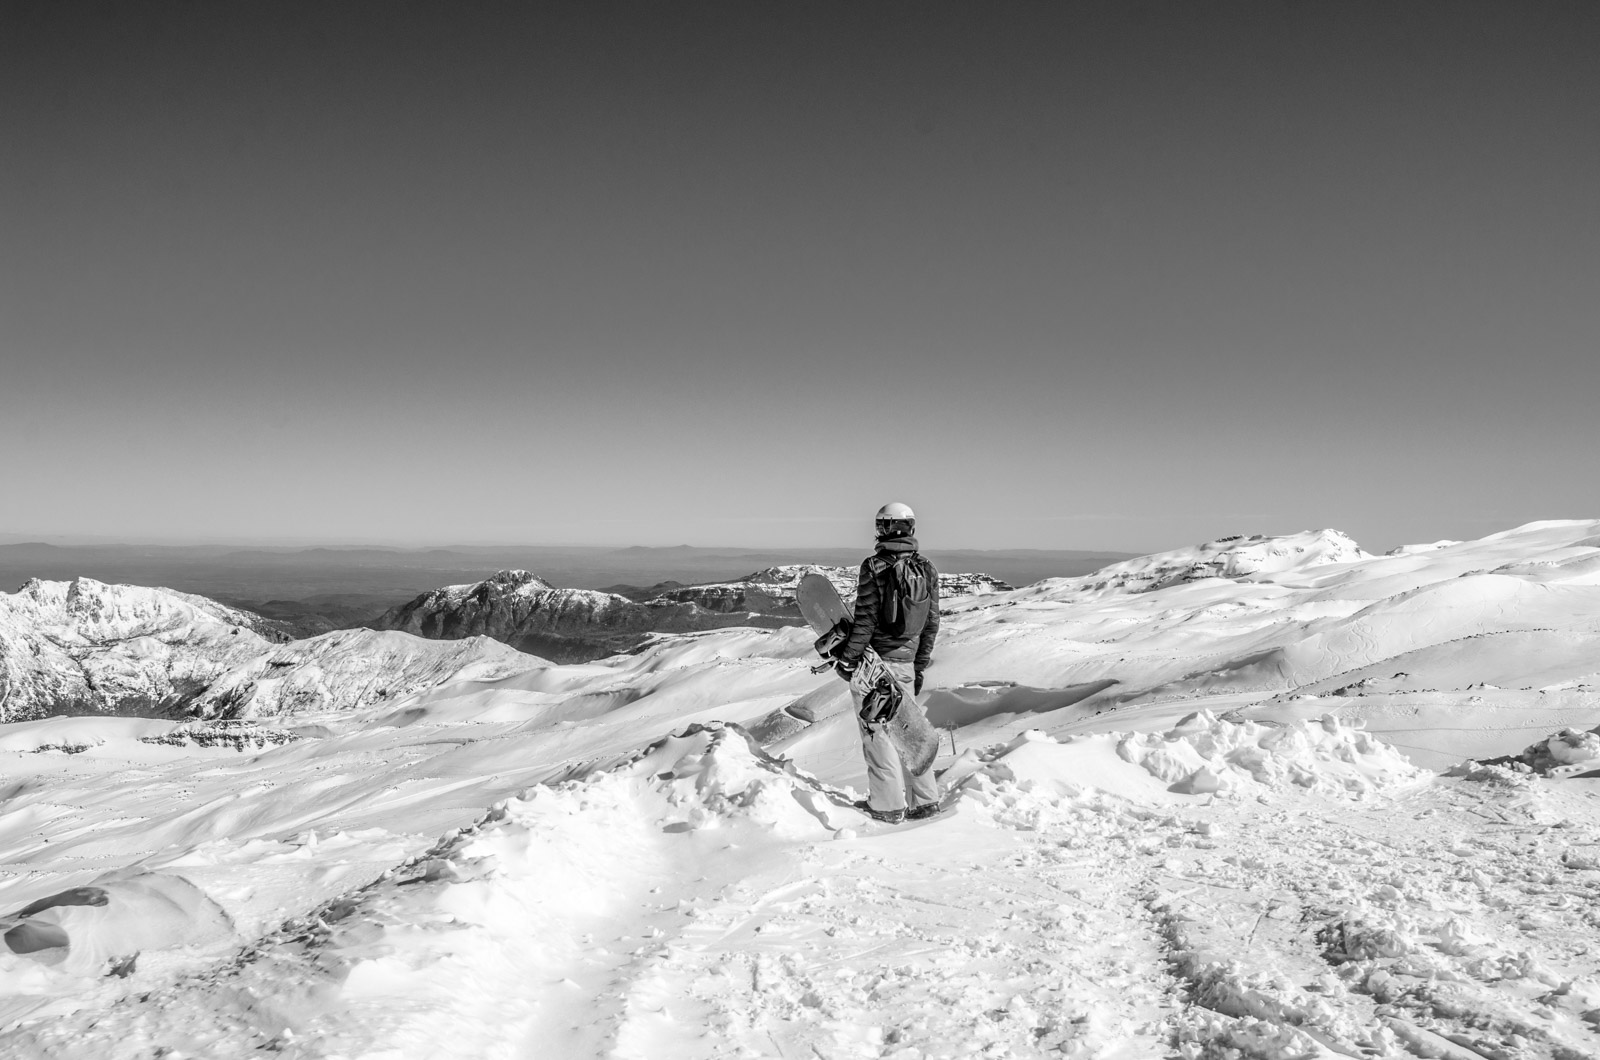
(897, 615)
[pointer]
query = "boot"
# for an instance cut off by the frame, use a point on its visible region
(886, 816)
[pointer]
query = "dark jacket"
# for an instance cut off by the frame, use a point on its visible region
(915, 644)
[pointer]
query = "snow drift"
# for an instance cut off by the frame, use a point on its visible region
(108, 923)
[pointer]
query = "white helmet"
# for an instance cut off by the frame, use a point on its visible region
(894, 520)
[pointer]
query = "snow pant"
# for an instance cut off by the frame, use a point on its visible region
(889, 783)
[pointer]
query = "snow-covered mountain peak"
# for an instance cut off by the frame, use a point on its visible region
(528, 613)
(505, 583)
(95, 610)
(86, 645)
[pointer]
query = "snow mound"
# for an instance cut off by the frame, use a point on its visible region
(714, 771)
(1570, 748)
(1565, 753)
(84, 930)
(1203, 754)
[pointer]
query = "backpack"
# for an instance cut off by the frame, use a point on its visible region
(907, 595)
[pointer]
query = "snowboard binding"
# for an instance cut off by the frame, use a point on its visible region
(882, 700)
(829, 644)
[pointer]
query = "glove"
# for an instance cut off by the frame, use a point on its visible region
(916, 684)
(846, 668)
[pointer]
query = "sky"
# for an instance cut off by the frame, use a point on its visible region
(1115, 276)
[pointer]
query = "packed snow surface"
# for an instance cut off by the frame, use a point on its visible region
(1198, 819)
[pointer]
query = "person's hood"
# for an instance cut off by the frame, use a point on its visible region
(899, 543)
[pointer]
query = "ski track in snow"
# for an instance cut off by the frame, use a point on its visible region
(705, 900)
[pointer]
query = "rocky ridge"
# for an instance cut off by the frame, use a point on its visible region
(523, 610)
(574, 625)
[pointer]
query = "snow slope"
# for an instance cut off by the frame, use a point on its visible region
(1516, 610)
(1229, 557)
(350, 669)
(1179, 823)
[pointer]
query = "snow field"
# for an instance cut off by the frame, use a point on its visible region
(703, 899)
(1130, 865)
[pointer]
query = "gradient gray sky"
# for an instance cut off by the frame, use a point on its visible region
(1122, 276)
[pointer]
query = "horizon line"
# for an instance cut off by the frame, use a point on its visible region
(106, 541)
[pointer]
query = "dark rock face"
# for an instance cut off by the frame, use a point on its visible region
(562, 625)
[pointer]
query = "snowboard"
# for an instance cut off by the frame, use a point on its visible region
(909, 729)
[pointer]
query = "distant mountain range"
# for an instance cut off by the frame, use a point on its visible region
(574, 625)
(86, 647)
(1308, 616)
(314, 590)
